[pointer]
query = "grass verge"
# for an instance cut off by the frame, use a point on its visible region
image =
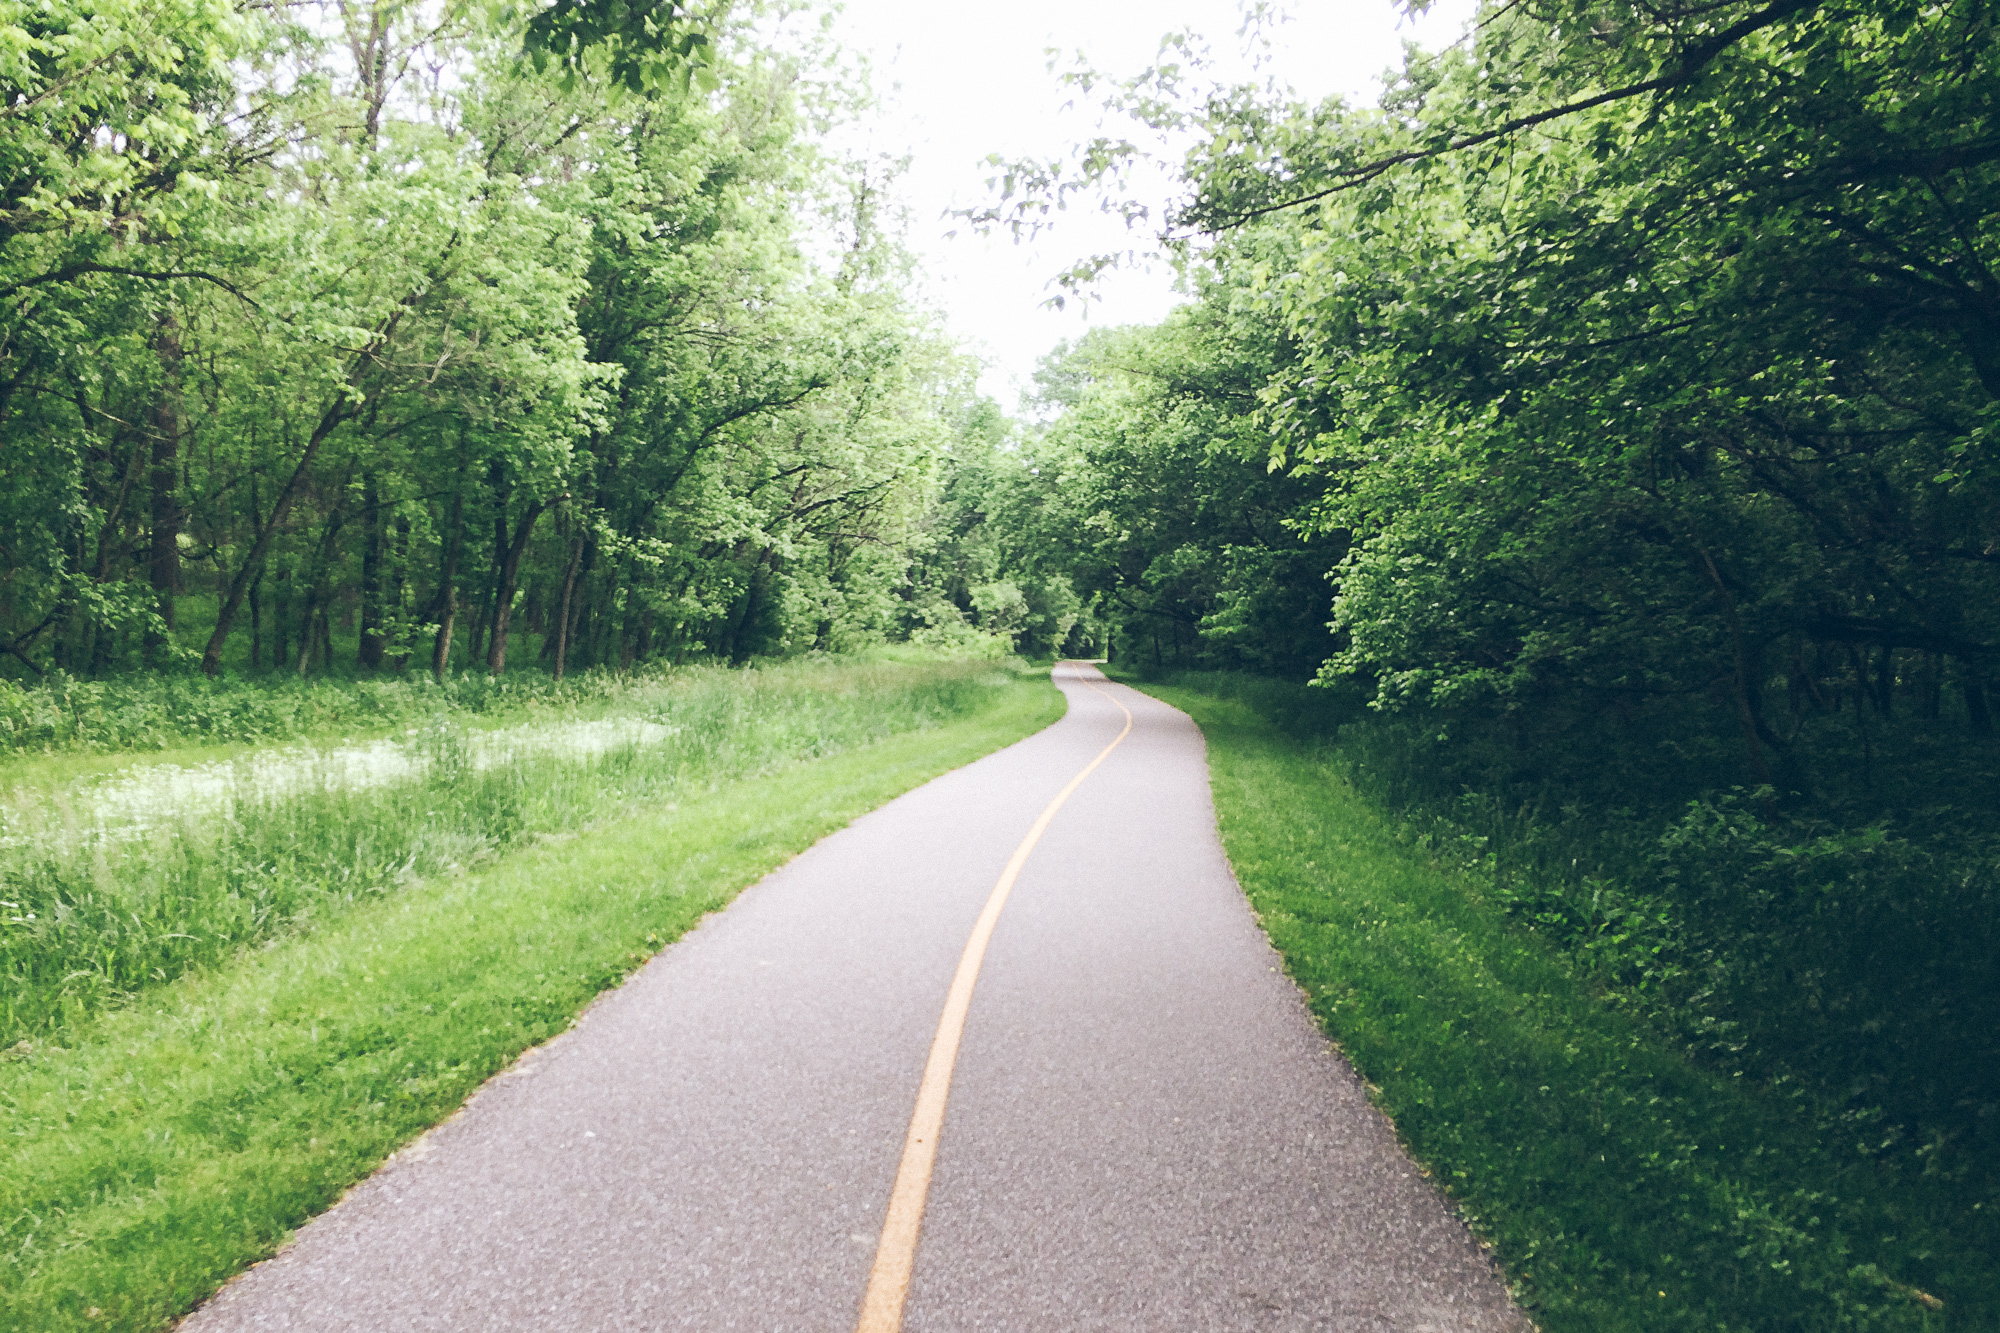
(169, 1144)
(95, 914)
(1621, 1186)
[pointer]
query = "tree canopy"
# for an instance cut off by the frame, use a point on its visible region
(1624, 352)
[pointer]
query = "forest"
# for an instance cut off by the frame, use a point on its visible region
(1593, 448)
(368, 338)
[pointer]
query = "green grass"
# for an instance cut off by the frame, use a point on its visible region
(92, 917)
(166, 1145)
(1621, 1186)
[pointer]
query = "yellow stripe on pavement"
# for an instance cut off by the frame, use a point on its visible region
(896, 1252)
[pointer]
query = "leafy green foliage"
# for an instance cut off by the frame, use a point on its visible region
(351, 364)
(1147, 500)
(644, 44)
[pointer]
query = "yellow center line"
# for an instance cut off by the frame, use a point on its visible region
(896, 1252)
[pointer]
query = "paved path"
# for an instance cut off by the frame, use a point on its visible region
(1145, 1130)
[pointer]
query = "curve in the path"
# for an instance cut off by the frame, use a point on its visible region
(1145, 1129)
(896, 1254)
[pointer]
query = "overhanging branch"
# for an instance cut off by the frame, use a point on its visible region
(1697, 59)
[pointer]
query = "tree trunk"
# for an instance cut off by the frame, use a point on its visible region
(441, 646)
(1744, 681)
(371, 645)
(580, 619)
(281, 611)
(606, 633)
(446, 602)
(211, 658)
(256, 588)
(753, 594)
(399, 583)
(509, 583)
(163, 562)
(482, 632)
(308, 637)
(256, 622)
(316, 629)
(562, 606)
(1978, 717)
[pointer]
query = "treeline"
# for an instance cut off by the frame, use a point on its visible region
(1621, 355)
(376, 335)
(1607, 421)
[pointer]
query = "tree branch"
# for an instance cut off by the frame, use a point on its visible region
(1697, 59)
(80, 269)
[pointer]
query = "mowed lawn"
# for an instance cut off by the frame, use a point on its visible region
(162, 1147)
(1620, 1186)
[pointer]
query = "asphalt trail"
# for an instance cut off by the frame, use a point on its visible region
(1145, 1129)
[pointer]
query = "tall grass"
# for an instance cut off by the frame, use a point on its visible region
(94, 913)
(66, 715)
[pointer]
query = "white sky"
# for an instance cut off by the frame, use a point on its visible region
(961, 80)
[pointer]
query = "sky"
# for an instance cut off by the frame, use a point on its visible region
(959, 81)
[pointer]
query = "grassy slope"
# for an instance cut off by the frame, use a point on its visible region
(92, 921)
(174, 1143)
(1621, 1187)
